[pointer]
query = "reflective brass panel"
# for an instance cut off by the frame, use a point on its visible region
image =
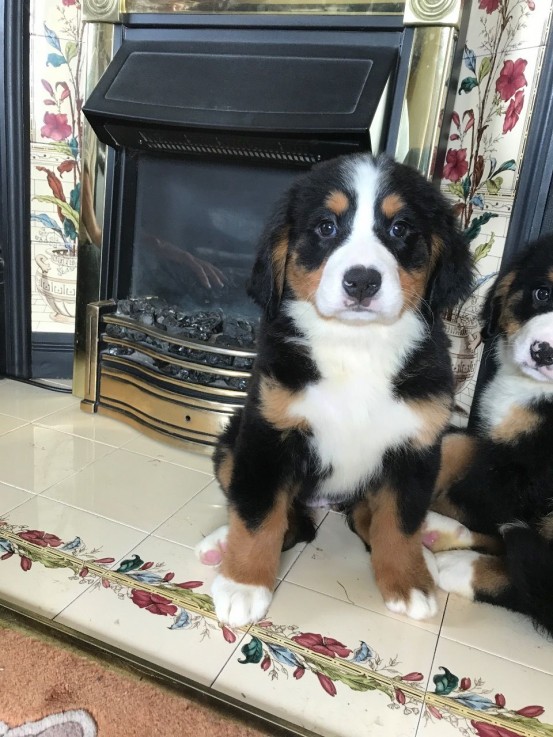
(425, 96)
(325, 7)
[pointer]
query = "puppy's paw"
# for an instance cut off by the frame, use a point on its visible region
(443, 533)
(418, 605)
(210, 550)
(239, 604)
(456, 570)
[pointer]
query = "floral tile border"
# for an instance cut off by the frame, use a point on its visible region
(275, 647)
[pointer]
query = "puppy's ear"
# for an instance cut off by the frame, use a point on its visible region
(453, 266)
(494, 303)
(266, 283)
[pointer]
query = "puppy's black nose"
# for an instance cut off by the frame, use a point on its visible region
(360, 282)
(542, 353)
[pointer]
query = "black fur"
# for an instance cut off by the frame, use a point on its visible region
(510, 481)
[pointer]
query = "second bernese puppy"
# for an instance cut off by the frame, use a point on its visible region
(498, 479)
(352, 386)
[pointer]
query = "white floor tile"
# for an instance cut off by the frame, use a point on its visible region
(126, 487)
(33, 458)
(8, 423)
(166, 452)
(91, 426)
(31, 402)
(337, 564)
(11, 497)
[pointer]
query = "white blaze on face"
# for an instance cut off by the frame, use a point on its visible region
(536, 334)
(361, 248)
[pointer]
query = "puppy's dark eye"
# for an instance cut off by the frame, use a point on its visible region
(326, 229)
(399, 229)
(541, 295)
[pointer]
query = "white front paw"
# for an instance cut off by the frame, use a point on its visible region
(444, 533)
(210, 550)
(418, 606)
(456, 570)
(239, 604)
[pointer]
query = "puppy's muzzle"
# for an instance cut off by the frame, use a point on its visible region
(541, 353)
(361, 283)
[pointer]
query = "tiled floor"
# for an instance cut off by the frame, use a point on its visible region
(97, 526)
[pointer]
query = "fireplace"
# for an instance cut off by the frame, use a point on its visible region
(207, 120)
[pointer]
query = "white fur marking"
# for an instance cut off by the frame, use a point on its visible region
(456, 570)
(509, 388)
(212, 544)
(419, 606)
(538, 329)
(239, 604)
(352, 412)
(361, 248)
(443, 533)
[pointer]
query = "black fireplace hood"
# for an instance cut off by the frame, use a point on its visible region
(279, 95)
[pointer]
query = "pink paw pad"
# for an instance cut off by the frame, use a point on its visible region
(211, 557)
(430, 538)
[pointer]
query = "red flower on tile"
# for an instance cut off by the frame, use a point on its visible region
(299, 673)
(38, 537)
(400, 696)
(483, 729)
(531, 711)
(327, 684)
(228, 634)
(511, 78)
(456, 165)
(413, 677)
(67, 3)
(488, 5)
(25, 563)
(500, 700)
(466, 683)
(153, 602)
(266, 663)
(513, 111)
(323, 645)
(55, 127)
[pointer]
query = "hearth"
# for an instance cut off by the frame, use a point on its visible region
(207, 120)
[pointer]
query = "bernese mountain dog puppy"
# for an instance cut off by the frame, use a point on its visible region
(352, 386)
(498, 480)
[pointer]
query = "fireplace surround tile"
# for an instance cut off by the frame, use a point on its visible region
(48, 589)
(124, 487)
(50, 457)
(187, 642)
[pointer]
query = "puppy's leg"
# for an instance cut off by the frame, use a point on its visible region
(243, 589)
(301, 527)
(397, 555)
(475, 576)
(457, 452)
(444, 533)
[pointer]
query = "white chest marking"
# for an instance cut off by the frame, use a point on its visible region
(352, 412)
(509, 388)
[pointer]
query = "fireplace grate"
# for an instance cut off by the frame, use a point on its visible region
(218, 148)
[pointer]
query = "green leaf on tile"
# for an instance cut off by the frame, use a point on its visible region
(70, 51)
(66, 209)
(483, 249)
(468, 84)
(252, 651)
(494, 185)
(353, 681)
(445, 682)
(485, 67)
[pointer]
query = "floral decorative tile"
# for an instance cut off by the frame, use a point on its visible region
(50, 456)
(134, 490)
(57, 57)
(158, 609)
(479, 694)
(337, 564)
(527, 24)
(48, 552)
(331, 667)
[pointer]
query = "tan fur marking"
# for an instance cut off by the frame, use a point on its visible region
(505, 284)
(518, 421)
(275, 401)
(362, 516)
(279, 256)
(413, 286)
(508, 321)
(397, 558)
(550, 274)
(225, 469)
(303, 283)
(337, 202)
(435, 251)
(457, 453)
(435, 414)
(391, 205)
(489, 575)
(253, 557)
(546, 527)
